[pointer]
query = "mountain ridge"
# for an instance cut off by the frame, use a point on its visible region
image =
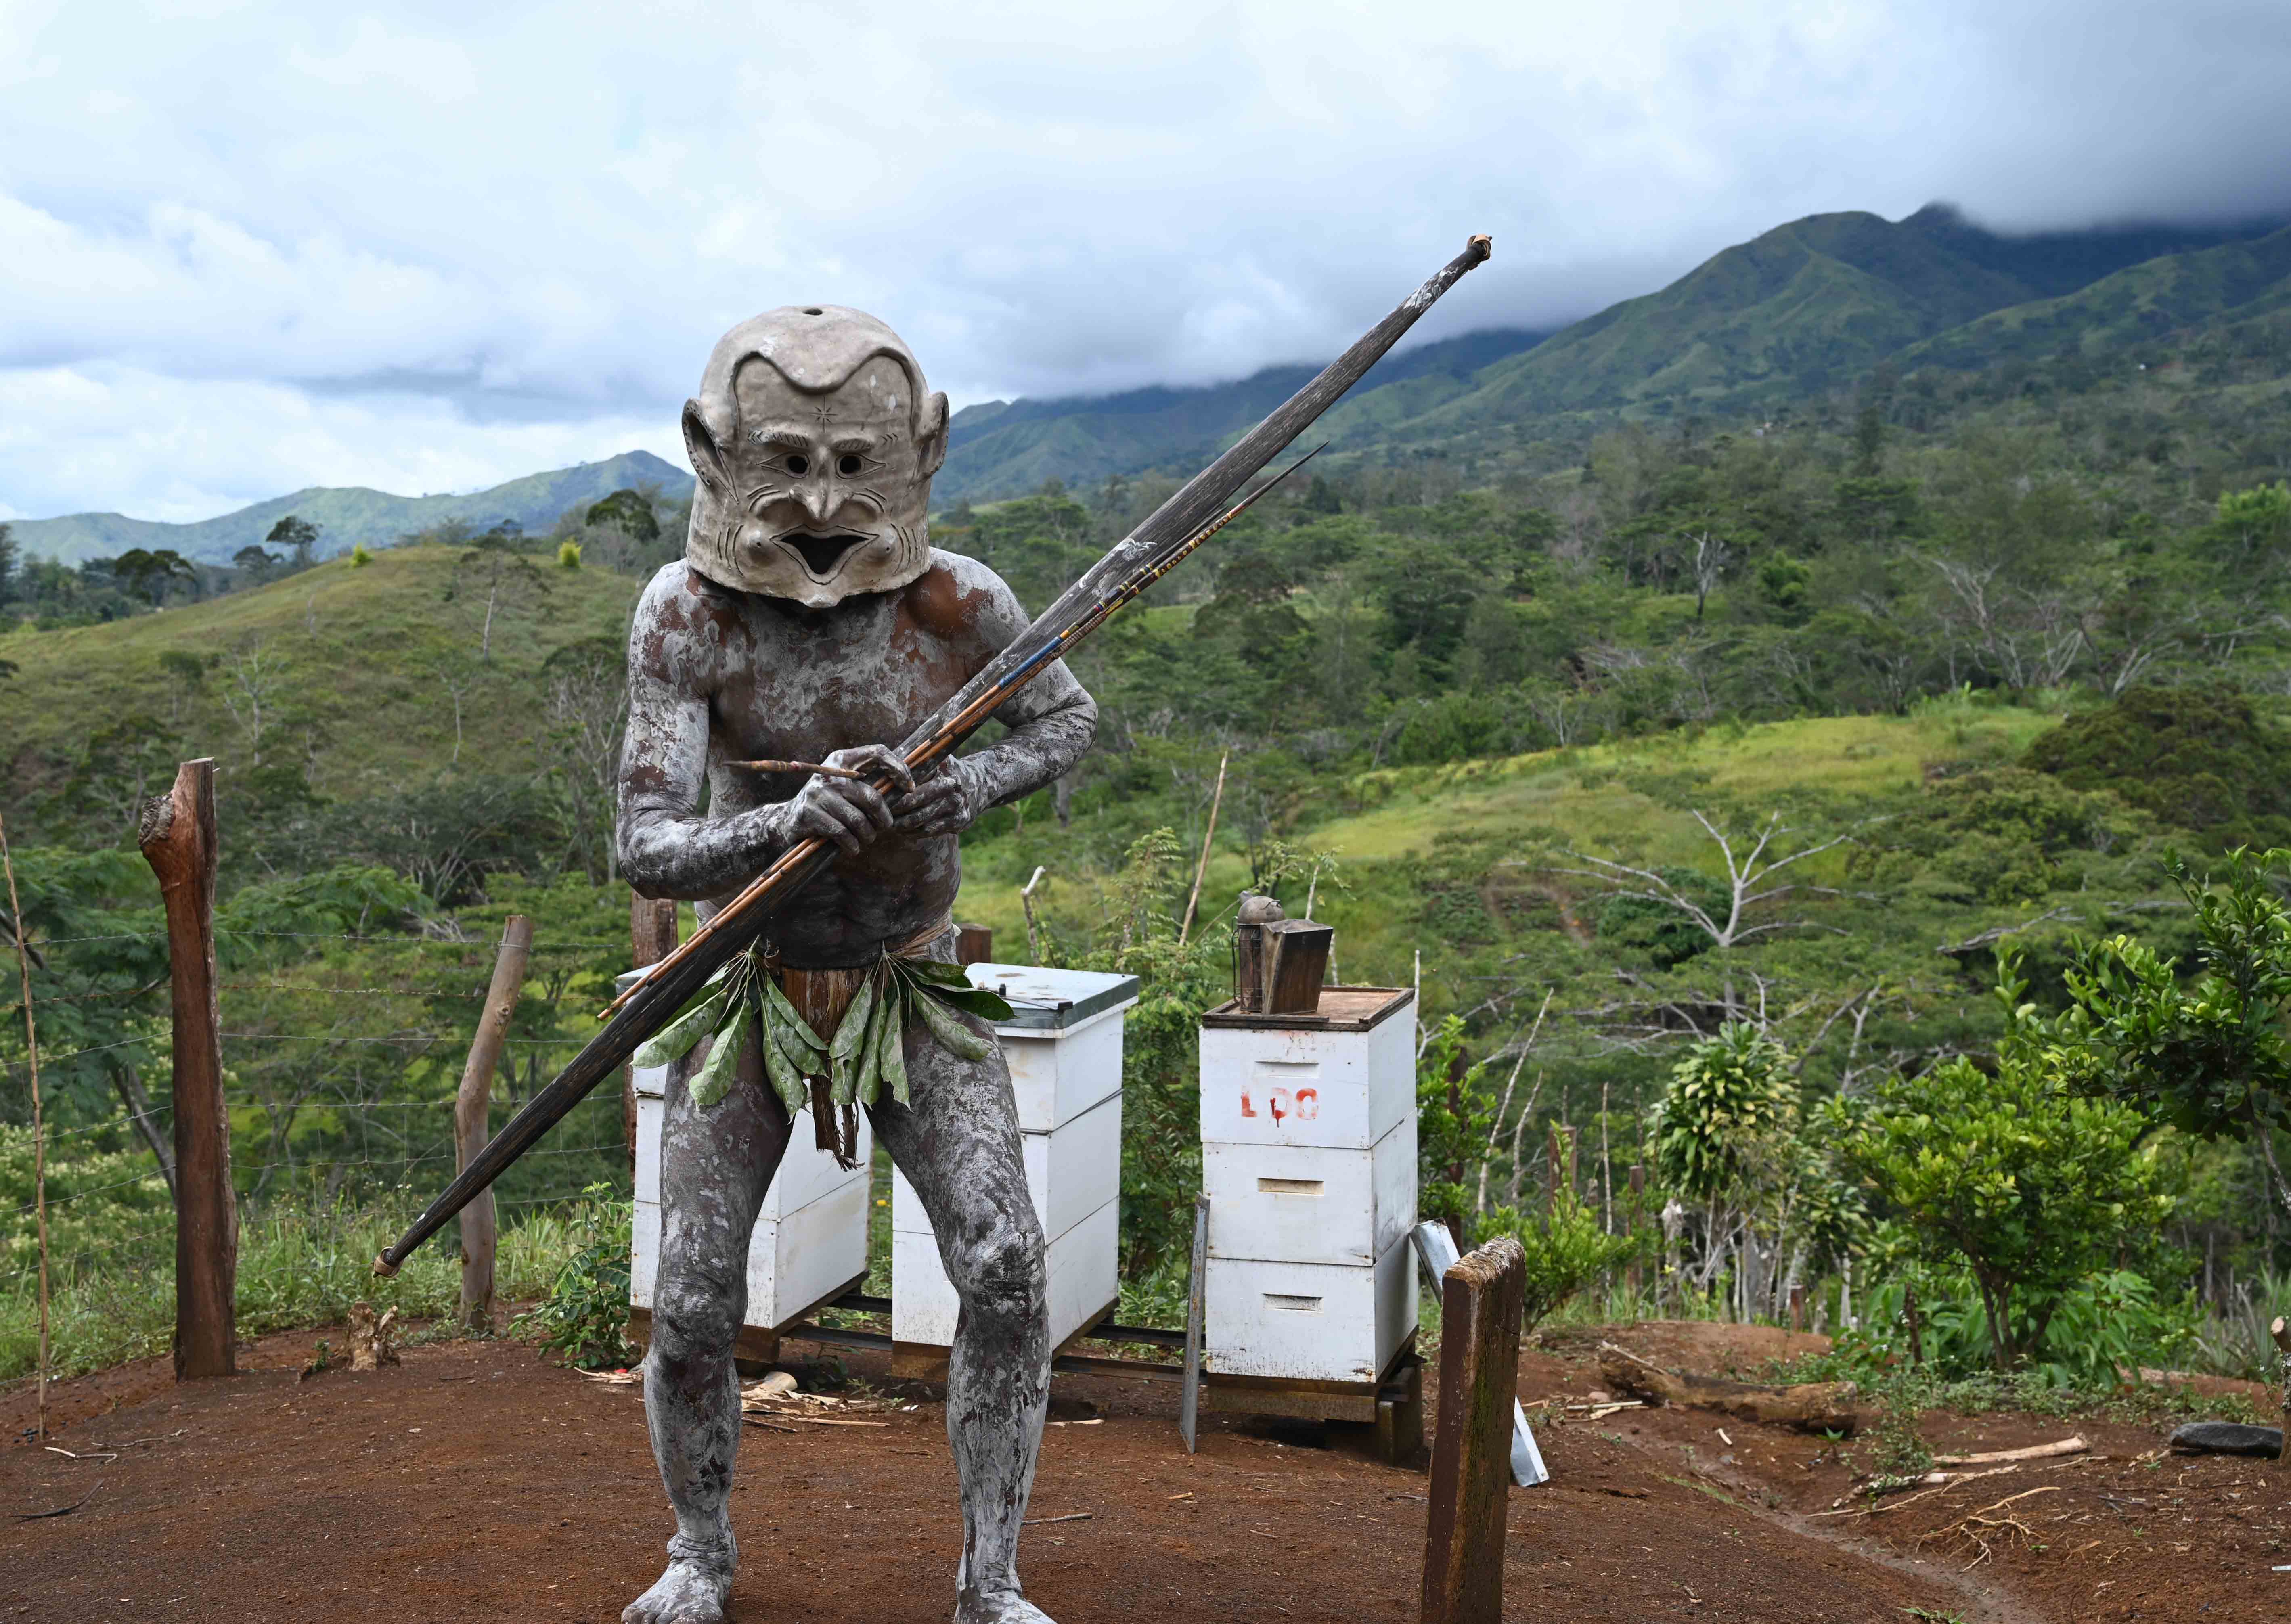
(352, 514)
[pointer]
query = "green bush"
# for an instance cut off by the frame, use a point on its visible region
(2201, 758)
(1564, 1255)
(585, 1315)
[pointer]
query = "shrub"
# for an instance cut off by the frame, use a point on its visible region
(359, 557)
(2034, 1188)
(585, 1315)
(568, 555)
(2202, 758)
(1564, 1255)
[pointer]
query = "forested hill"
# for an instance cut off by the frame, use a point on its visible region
(1815, 305)
(350, 515)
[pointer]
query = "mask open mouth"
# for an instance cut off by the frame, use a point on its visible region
(823, 554)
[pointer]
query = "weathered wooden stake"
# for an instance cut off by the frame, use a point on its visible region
(177, 833)
(1637, 1218)
(1217, 799)
(652, 938)
(1480, 1313)
(1797, 1308)
(1189, 1400)
(2281, 1333)
(471, 1107)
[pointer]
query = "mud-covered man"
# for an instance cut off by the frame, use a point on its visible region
(810, 619)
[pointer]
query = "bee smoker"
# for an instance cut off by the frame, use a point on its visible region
(1278, 962)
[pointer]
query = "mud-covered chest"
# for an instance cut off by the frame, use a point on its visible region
(832, 693)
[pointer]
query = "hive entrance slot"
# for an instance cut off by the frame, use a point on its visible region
(1292, 1305)
(1291, 1186)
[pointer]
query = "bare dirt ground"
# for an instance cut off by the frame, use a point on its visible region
(474, 1482)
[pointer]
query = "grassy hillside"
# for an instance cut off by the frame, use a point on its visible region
(349, 515)
(362, 656)
(1593, 799)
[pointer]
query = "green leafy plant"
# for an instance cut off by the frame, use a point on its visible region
(2033, 1188)
(1565, 1252)
(585, 1315)
(1454, 1110)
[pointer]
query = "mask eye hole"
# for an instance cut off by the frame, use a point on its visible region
(799, 464)
(846, 464)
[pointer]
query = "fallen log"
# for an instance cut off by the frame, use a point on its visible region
(1816, 1406)
(2035, 1452)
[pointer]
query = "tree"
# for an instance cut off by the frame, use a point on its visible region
(586, 701)
(151, 572)
(298, 537)
(628, 512)
(7, 570)
(2211, 1059)
(256, 677)
(2034, 1186)
(257, 564)
(496, 561)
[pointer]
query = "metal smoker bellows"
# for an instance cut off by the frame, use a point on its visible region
(1278, 963)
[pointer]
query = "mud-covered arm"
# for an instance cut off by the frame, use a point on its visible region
(667, 848)
(1050, 722)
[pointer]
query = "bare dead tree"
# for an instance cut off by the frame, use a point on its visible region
(257, 675)
(1751, 881)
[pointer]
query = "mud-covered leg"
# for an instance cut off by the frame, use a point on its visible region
(714, 1168)
(958, 1144)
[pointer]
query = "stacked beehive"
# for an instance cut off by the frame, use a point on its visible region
(1062, 1044)
(809, 1245)
(1308, 1158)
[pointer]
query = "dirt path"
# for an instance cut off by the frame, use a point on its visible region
(475, 1482)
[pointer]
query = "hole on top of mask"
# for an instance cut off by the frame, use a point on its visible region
(799, 464)
(846, 464)
(813, 310)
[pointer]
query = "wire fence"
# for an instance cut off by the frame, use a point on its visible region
(353, 1116)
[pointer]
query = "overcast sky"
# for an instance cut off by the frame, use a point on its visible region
(245, 248)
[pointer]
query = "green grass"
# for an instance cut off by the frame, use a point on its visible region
(1581, 795)
(362, 702)
(297, 1266)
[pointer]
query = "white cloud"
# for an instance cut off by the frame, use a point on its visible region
(425, 245)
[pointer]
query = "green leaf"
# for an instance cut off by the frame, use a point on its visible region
(714, 1080)
(953, 1036)
(870, 1053)
(851, 1038)
(672, 1042)
(895, 1049)
(973, 1001)
(780, 1068)
(936, 971)
(786, 1020)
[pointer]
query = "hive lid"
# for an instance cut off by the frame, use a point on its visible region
(1048, 1000)
(1342, 1009)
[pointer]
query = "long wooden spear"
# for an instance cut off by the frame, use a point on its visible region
(1172, 531)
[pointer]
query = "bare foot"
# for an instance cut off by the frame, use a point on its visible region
(1001, 1607)
(692, 1591)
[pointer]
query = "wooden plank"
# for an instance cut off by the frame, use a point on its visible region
(1438, 1249)
(974, 945)
(1344, 1009)
(1481, 1310)
(177, 833)
(473, 1104)
(1189, 1398)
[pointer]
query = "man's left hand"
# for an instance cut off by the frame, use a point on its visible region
(947, 801)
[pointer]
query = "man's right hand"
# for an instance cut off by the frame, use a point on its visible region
(851, 812)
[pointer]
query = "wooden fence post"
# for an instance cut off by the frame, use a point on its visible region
(652, 938)
(1480, 1307)
(1638, 1222)
(2281, 1333)
(471, 1107)
(177, 833)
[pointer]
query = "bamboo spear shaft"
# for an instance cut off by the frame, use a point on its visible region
(1168, 533)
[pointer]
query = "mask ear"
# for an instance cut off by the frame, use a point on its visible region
(700, 446)
(931, 435)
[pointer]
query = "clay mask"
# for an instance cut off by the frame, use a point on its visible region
(814, 442)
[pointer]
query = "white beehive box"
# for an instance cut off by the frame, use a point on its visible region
(1063, 1045)
(809, 1245)
(1308, 1158)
